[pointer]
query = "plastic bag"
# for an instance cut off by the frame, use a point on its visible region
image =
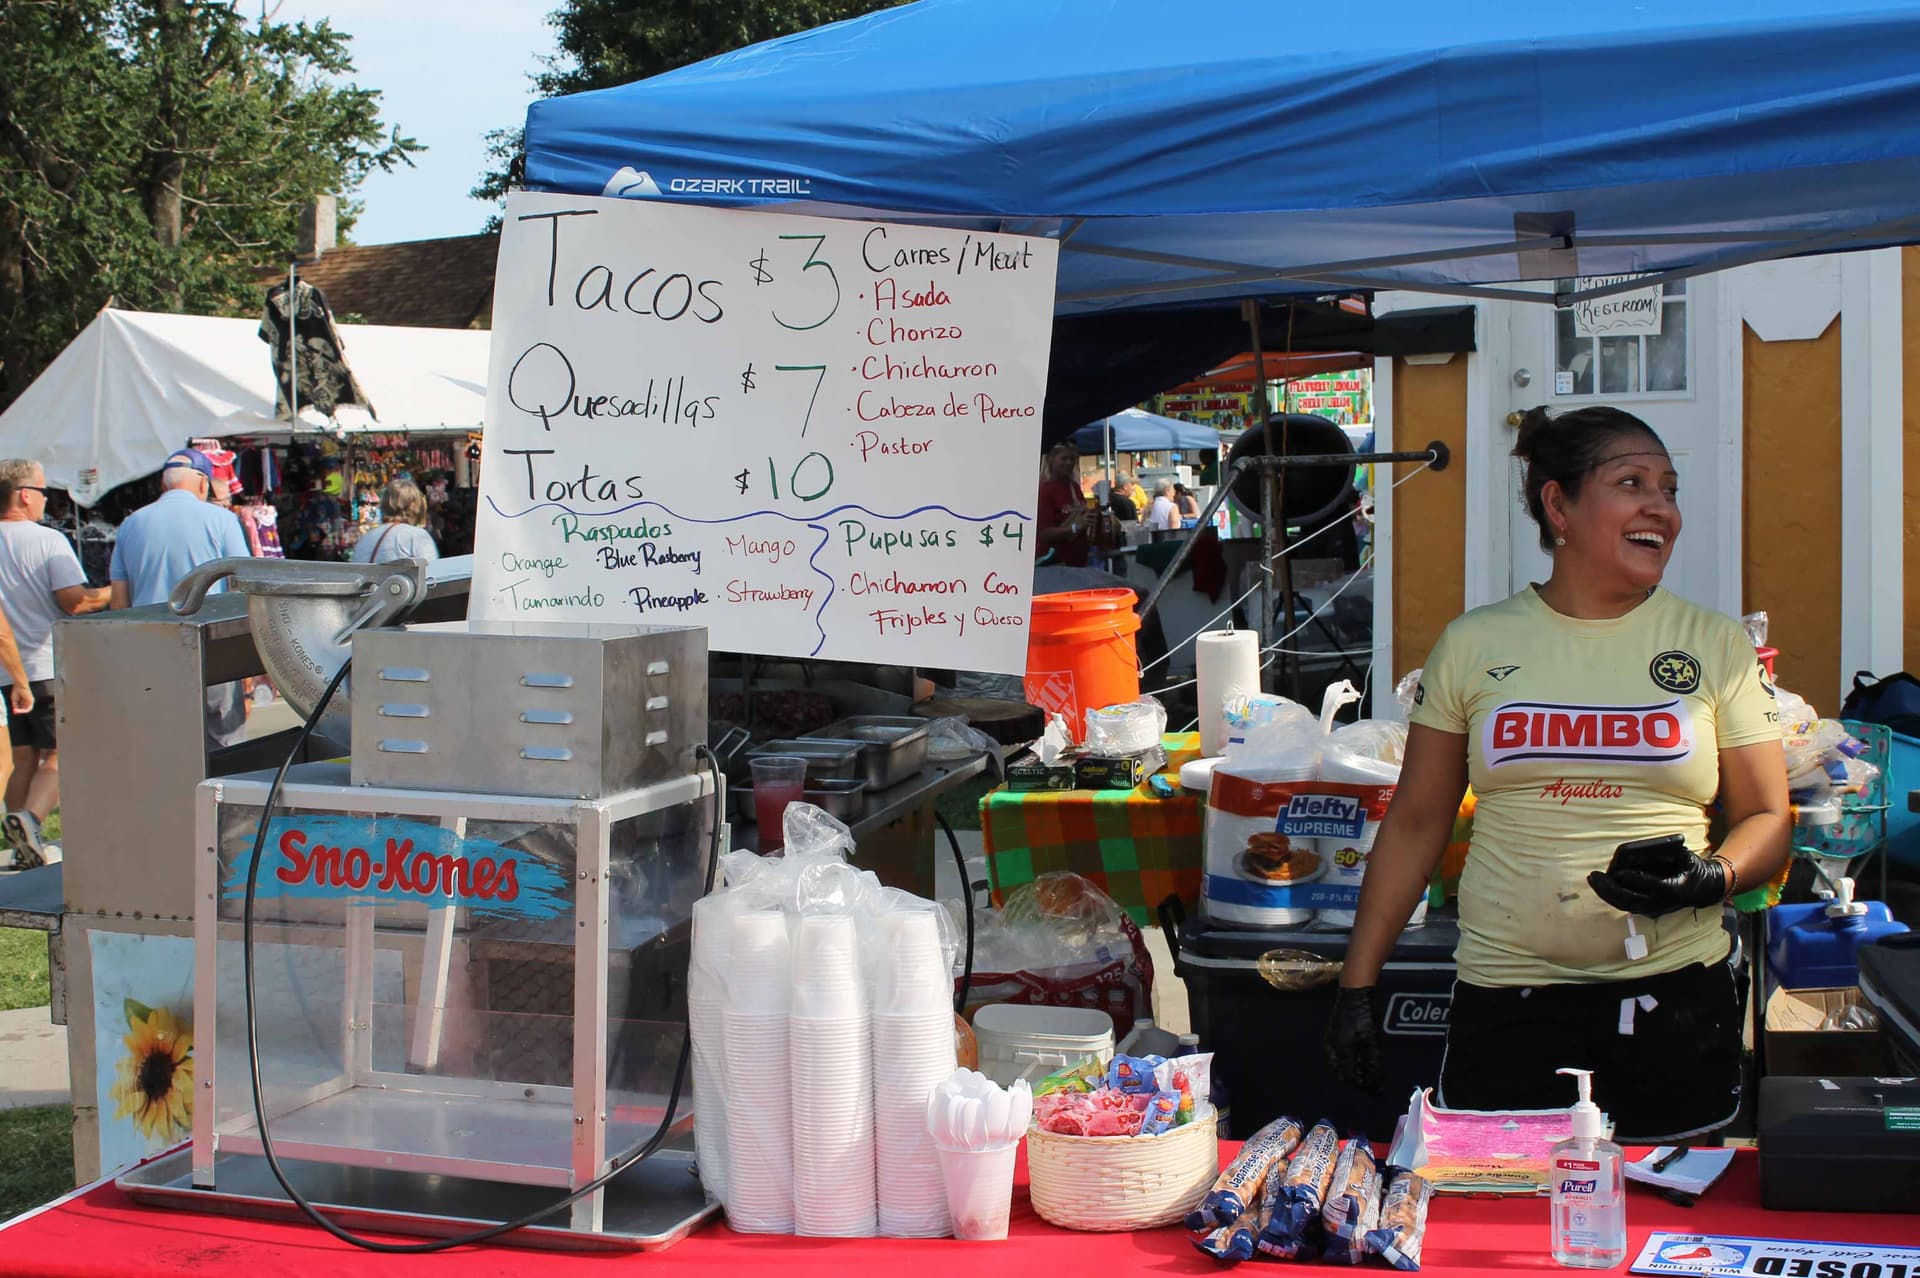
(1062, 942)
(1361, 762)
(1270, 733)
(1854, 1016)
(1755, 624)
(1061, 920)
(1370, 750)
(953, 738)
(1406, 692)
(1127, 728)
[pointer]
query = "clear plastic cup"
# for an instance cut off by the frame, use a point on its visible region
(979, 1189)
(777, 781)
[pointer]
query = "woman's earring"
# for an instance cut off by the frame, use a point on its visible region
(1559, 541)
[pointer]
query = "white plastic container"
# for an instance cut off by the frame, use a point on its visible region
(1589, 1189)
(1032, 1042)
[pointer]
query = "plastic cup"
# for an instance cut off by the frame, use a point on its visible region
(777, 781)
(979, 1190)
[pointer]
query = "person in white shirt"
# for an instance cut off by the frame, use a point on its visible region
(1164, 514)
(40, 582)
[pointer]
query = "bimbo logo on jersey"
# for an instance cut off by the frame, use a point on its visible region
(1647, 734)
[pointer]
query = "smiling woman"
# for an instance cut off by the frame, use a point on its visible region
(1596, 716)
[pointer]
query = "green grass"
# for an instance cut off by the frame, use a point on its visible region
(37, 1163)
(50, 828)
(23, 970)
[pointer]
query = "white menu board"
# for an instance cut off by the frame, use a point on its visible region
(815, 437)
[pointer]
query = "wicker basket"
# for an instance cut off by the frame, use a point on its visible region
(1111, 1183)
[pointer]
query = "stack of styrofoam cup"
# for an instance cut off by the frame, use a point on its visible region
(707, 1022)
(759, 1098)
(830, 1058)
(913, 1052)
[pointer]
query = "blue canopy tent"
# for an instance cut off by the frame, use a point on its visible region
(1136, 431)
(1238, 148)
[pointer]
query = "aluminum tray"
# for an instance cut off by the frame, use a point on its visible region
(894, 746)
(826, 760)
(843, 799)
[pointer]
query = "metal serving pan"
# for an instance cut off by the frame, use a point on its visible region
(895, 745)
(826, 760)
(846, 800)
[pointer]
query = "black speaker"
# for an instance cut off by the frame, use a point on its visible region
(1310, 495)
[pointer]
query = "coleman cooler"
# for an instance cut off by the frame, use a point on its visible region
(1267, 1049)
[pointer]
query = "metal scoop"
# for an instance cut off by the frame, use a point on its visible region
(304, 615)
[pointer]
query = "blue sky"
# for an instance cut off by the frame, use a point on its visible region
(447, 73)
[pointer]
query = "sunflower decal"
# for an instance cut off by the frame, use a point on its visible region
(154, 1082)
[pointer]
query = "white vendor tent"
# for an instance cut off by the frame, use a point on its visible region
(133, 387)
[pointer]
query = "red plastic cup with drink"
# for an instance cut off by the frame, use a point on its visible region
(777, 781)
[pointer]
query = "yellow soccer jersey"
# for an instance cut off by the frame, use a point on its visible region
(1582, 735)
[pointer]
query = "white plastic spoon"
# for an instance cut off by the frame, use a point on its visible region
(999, 1114)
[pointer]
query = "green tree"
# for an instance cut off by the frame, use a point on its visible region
(155, 153)
(604, 43)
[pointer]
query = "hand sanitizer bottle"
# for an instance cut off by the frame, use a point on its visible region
(1589, 1189)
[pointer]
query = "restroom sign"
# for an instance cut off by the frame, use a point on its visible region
(1635, 313)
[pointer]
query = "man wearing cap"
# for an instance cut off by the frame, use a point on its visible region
(40, 582)
(164, 541)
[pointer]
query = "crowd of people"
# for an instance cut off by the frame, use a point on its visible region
(1070, 504)
(41, 581)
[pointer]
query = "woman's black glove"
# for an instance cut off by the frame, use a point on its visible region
(1659, 880)
(1353, 1039)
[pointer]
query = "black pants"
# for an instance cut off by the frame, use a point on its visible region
(1674, 1071)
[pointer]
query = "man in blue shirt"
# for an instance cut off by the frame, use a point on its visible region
(161, 543)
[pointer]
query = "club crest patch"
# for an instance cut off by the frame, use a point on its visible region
(1675, 671)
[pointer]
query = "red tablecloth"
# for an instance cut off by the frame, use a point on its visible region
(103, 1232)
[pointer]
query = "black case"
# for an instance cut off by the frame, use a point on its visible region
(1890, 983)
(1266, 1043)
(1839, 1144)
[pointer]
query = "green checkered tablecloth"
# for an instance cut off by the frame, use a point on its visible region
(1136, 847)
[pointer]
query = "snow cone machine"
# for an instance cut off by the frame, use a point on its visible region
(469, 939)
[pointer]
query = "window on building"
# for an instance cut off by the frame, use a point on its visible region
(1623, 365)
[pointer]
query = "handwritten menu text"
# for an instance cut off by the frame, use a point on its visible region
(815, 437)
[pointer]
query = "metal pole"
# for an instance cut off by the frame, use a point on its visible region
(1436, 454)
(1250, 312)
(293, 349)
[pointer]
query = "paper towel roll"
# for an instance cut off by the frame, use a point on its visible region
(1227, 663)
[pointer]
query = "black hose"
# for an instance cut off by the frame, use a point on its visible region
(645, 1149)
(966, 891)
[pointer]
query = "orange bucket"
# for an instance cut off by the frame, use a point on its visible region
(1080, 654)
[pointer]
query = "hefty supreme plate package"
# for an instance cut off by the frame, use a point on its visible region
(1283, 844)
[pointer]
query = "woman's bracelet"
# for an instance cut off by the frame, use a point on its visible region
(1733, 876)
